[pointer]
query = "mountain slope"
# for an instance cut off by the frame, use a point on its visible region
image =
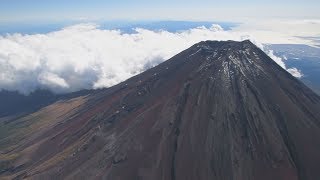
(218, 110)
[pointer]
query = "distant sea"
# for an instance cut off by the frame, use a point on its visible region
(124, 26)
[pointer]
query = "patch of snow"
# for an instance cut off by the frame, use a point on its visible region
(195, 52)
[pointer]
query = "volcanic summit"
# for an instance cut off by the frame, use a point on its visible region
(220, 110)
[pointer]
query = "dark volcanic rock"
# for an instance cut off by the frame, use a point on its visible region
(218, 110)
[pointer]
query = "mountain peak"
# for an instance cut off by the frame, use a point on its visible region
(218, 110)
(230, 43)
(233, 58)
(224, 46)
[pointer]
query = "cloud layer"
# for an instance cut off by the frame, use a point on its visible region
(86, 57)
(282, 31)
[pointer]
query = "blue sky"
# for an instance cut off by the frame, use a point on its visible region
(21, 10)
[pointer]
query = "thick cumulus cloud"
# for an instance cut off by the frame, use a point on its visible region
(295, 72)
(86, 57)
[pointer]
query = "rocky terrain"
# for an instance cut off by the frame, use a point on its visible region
(218, 110)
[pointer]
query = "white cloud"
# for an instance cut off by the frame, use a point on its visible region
(281, 31)
(278, 60)
(52, 80)
(85, 57)
(295, 72)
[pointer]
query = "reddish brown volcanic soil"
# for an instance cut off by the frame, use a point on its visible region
(218, 110)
